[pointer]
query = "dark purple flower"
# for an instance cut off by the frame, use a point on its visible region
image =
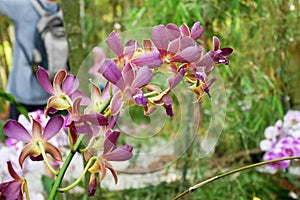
(14, 189)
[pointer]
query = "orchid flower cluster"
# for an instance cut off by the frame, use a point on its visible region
(92, 119)
(282, 140)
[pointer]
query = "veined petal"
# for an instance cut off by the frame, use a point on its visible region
(58, 79)
(115, 44)
(53, 151)
(116, 103)
(95, 118)
(128, 74)
(28, 150)
(53, 126)
(175, 80)
(58, 103)
(160, 39)
(216, 43)
(44, 80)
(12, 172)
(14, 129)
(113, 172)
(130, 48)
(120, 154)
(184, 29)
(70, 84)
(173, 31)
(111, 140)
(143, 77)
(151, 59)
(189, 54)
(196, 31)
(112, 73)
(36, 130)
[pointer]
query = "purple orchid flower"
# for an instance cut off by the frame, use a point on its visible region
(14, 189)
(63, 90)
(129, 82)
(110, 153)
(219, 56)
(132, 53)
(37, 139)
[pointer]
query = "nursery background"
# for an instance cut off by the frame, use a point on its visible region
(262, 85)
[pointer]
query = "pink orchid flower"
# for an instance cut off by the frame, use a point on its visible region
(63, 90)
(14, 189)
(110, 153)
(38, 138)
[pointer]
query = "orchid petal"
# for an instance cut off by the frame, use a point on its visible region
(36, 130)
(112, 73)
(113, 171)
(85, 99)
(151, 59)
(196, 31)
(174, 47)
(53, 151)
(175, 80)
(116, 103)
(128, 74)
(57, 103)
(130, 48)
(70, 84)
(184, 29)
(12, 172)
(115, 43)
(159, 35)
(14, 129)
(102, 171)
(29, 149)
(111, 140)
(173, 31)
(92, 185)
(216, 43)
(95, 118)
(12, 190)
(143, 77)
(120, 154)
(53, 126)
(139, 97)
(58, 79)
(189, 54)
(226, 51)
(44, 80)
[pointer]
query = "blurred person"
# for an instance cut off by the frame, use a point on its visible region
(22, 83)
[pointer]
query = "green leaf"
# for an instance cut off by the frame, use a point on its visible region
(47, 183)
(13, 100)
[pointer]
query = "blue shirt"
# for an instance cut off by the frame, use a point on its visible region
(22, 83)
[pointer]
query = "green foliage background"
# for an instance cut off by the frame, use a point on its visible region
(262, 80)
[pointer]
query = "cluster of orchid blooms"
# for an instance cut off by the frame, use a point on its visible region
(173, 50)
(282, 140)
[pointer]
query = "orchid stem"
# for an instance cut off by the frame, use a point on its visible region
(197, 186)
(64, 167)
(75, 183)
(53, 171)
(26, 190)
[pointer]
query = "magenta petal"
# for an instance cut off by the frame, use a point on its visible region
(139, 98)
(175, 80)
(84, 101)
(130, 48)
(128, 74)
(12, 172)
(226, 51)
(160, 39)
(151, 59)
(44, 80)
(190, 54)
(53, 126)
(112, 73)
(96, 118)
(120, 154)
(115, 43)
(116, 103)
(143, 77)
(173, 31)
(11, 190)
(14, 129)
(216, 43)
(111, 140)
(70, 84)
(184, 29)
(196, 31)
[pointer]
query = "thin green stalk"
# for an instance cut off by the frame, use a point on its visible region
(52, 170)
(197, 186)
(75, 183)
(64, 168)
